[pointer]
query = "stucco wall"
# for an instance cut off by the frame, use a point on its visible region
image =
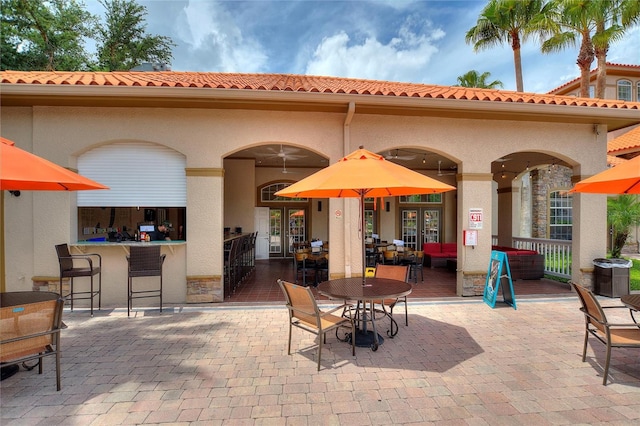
(35, 222)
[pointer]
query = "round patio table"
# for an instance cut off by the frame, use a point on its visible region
(631, 301)
(372, 289)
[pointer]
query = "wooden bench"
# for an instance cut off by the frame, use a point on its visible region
(30, 324)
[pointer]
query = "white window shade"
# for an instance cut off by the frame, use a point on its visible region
(137, 173)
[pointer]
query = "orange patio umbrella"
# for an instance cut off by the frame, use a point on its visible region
(21, 170)
(363, 174)
(621, 179)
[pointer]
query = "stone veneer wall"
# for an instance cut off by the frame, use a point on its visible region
(543, 181)
(204, 289)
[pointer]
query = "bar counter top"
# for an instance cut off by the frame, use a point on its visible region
(126, 243)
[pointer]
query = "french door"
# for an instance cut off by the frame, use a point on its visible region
(420, 225)
(287, 227)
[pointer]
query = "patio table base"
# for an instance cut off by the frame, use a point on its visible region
(365, 339)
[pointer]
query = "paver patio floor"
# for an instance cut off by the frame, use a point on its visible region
(458, 362)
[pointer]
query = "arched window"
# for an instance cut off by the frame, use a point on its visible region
(624, 90)
(267, 194)
(560, 215)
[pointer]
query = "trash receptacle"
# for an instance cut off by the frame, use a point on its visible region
(612, 277)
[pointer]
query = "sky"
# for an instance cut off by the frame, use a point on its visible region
(416, 41)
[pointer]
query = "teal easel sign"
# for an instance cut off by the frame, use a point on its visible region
(498, 272)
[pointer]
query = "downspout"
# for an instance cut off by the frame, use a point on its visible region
(346, 149)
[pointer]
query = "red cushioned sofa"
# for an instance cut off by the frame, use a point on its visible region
(436, 254)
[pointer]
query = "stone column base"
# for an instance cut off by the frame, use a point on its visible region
(45, 283)
(588, 278)
(204, 289)
(473, 283)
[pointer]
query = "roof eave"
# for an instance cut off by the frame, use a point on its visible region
(206, 98)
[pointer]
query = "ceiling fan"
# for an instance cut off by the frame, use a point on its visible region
(446, 173)
(391, 156)
(288, 153)
(284, 166)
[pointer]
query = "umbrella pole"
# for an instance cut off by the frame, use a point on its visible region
(362, 224)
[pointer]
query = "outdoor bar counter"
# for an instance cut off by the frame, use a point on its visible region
(115, 267)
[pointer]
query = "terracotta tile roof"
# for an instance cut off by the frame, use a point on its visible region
(627, 141)
(614, 161)
(297, 83)
(593, 72)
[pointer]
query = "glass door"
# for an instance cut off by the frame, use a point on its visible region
(297, 229)
(410, 228)
(431, 226)
(283, 238)
(275, 232)
(414, 232)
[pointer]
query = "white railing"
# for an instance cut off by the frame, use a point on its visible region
(557, 254)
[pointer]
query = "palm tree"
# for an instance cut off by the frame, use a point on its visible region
(623, 212)
(613, 18)
(571, 19)
(506, 21)
(474, 79)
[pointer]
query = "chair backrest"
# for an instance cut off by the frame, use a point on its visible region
(419, 254)
(393, 272)
(591, 307)
(389, 254)
(66, 263)
(301, 303)
(145, 260)
(31, 325)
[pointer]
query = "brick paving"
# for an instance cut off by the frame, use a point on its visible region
(458, 362)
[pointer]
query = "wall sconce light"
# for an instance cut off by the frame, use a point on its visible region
(503, 175)
(15, 193)
(527, 165)
(319, 206)
(424, 158)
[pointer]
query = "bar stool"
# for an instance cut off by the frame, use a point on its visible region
(144, 261)
(68, 270)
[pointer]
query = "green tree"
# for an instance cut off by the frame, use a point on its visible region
(44, 35)
(123, 43)
(613, 18)
(474, 79)
(503, 21)
(623, 212)
(574, 19)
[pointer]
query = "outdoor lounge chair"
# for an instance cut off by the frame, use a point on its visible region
(305, 314)
(393, 272)
(30, 324)
(612, 335)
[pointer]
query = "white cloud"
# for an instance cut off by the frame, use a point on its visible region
(401, 59)
(210, 40)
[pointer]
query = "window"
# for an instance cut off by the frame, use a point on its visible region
(560, 215)
(421, 199)
(638, 92)
(624, 90)
(267, 193)
(147, 184)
